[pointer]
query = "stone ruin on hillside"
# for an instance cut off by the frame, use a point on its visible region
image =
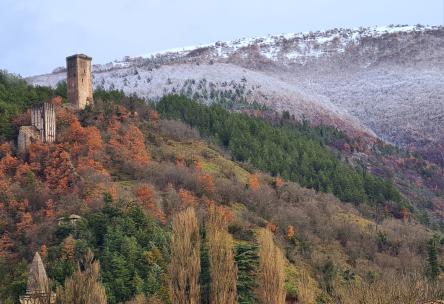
(37, 287)
(42, 128)
(43, 117)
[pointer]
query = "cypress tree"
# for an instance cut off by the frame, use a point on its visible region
(432, 259)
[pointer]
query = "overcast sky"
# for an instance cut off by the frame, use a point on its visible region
(37, 35)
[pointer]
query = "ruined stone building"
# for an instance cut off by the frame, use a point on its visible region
(44, 119)
(37, 287)
(27, 135)
(79, 81)
(43, 127)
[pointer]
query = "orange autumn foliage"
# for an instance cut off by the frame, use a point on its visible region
(82, 141)
(43, 251)
(38, 153)
(290, 232)
(93, 180)
(253, 182)
(6, 244)
(84, 164)
(22, 172)
(5, 148)
(187, 198)
(64, 116)
(279, 182)
(146, 194)
(25, 222)
(223, 211)
(21, 206)
(5, 192)
(75, 131)
(207, 182)
(128, 144)
(198, 166)
(147, 197)
(59, 172)
(134, 140)
(49, 210)
(122, 112)
(56, 100)
(93, 140)
(180, 161)
(272, 227)
(7, 164)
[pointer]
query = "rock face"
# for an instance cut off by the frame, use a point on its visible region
(37, 288)
(384, 81)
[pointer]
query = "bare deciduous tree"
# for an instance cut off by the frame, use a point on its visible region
(83, 287)
(185, 258)
(223, 270)
(271, 272)
(142, 299)
(391, 289)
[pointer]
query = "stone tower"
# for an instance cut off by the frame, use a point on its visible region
(37, 287)
(79, 80)
(43, 127)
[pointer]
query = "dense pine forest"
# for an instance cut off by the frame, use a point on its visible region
(283, 151)
(180, 202)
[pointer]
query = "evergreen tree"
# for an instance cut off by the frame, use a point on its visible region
(294, 153)
(83, 287)
(247, 261)
(432, 258)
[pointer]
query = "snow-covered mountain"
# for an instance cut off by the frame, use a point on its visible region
(383, 81)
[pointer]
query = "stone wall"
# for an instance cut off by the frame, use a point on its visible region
(44, 119)
(43, 127)
(27, 135)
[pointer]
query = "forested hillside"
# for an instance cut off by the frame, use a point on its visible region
(384, 81)
(281, 151)
(16, 95)
(179, 202)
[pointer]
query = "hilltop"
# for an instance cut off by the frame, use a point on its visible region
(381, 86)
(383, 81)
